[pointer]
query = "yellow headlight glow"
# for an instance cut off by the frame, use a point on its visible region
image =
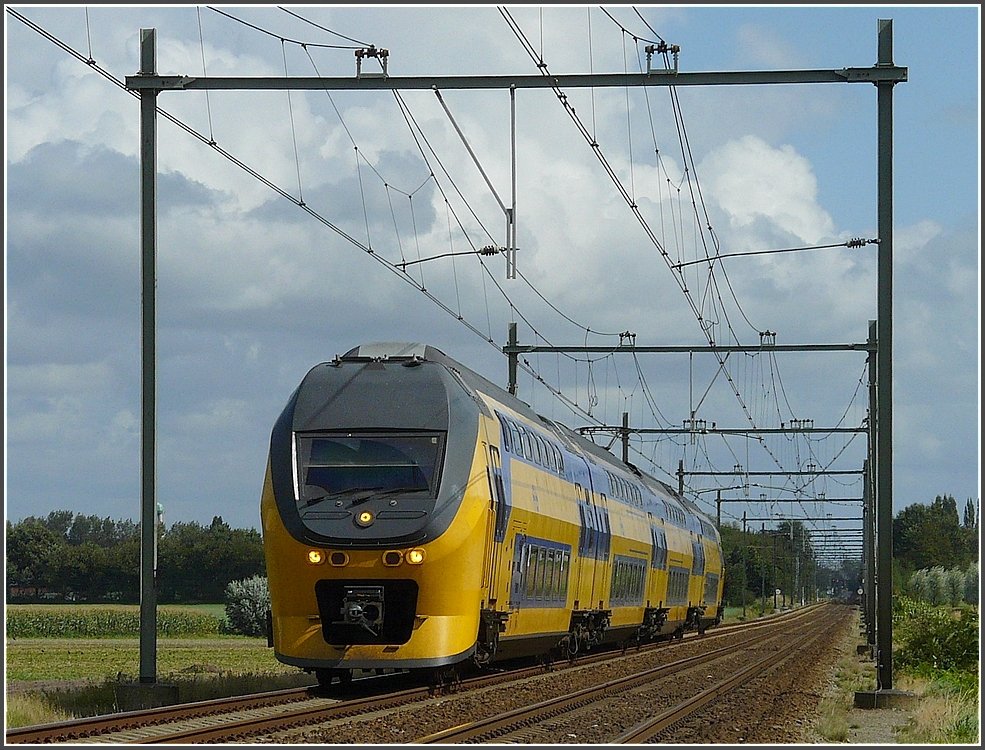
(414, 556)
(365, 518)
(316, 556)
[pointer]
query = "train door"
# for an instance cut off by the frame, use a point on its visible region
(603, 547)
(518, 569)
(501, 508)
(587, 533)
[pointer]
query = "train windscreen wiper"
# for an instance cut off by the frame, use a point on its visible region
(360, 494)
(348, 491)
(388, 491)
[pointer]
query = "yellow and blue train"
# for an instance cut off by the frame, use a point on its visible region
(417, 516)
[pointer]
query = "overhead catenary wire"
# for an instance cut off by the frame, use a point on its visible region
(323, 28)
(705, 320)
(628, 198)
(361, 159)
(852, 243)
(283, 38)
(487, 337)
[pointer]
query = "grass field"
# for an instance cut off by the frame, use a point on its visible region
(52, 679)
(101, 654)
(52, 659)
(56, 677)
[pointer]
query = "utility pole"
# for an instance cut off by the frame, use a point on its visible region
(774, 570)
(884, 366)
(794, 567)
(625, 437)
(148, 273)
(762, 573)
(745, 545)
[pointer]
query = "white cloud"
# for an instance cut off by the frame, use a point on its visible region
(751, 180)
(910, 241)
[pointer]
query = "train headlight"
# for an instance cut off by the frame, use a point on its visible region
(316, 556)
(414, 556)
(364, 519)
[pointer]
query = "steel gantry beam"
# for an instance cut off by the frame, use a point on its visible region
(375, 82)
(807, 518)
(589, 429)
(792, 500)
(778, 472)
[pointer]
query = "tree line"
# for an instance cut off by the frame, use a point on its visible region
(75, 557)
(71, 556)
(760, 561)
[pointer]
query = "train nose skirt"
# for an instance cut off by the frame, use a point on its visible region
(367, 612)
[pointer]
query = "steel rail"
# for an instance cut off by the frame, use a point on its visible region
(653, 726)
(491, 728)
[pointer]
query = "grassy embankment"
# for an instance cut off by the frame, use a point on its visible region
(945, 707)
(96, 647)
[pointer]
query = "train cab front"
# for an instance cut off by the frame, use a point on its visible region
(370, 541)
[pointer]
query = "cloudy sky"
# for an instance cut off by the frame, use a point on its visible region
(254, 288)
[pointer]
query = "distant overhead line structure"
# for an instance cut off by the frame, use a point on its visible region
(884, 75)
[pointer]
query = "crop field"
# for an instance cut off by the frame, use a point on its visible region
(108, 621)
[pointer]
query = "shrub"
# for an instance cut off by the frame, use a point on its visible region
(935, 637)
(936, 585)
(954, 586)
(971, 584)
(944, 587)
(247, 603)
(917, 586)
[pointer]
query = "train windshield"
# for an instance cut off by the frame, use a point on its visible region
(342, 464)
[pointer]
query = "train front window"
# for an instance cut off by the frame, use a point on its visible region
(355, 464)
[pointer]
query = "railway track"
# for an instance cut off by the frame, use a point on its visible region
(521, 725)
(281, 713)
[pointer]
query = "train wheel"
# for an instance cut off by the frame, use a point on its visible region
(570, 643)
(443, 680)
(325, 677)
(484, 653)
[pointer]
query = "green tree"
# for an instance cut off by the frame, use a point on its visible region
(81, 569)
(103, 532)
(971, 584)
(187, 549)
(31, 549)
(927, 536)
(122, 582)
(182, 557)
(59, 521)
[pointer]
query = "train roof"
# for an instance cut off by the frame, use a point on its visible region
(416, 351)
